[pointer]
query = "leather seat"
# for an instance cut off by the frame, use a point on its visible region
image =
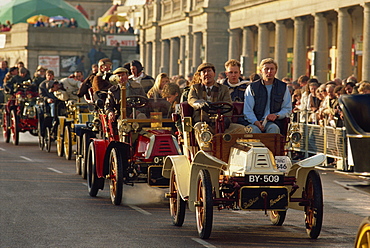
(356, 112)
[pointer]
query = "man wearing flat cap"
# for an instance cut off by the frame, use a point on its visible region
(207, 90)
(39, 76)
(112, 104)
(139, 76)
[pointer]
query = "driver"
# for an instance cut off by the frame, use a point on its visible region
(207, 90)
(112, 104)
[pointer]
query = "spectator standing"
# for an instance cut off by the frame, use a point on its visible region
(130, 29)
(139, 76)
(92, 56)
(73, 23)
(364, 87)
(233, 80)
(267, 99)
(100, 55)
(116, 56)
(39, 23)
(3, 71)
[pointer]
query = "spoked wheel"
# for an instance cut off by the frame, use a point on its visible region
(204, 204)
(363, 234)
(60, 150)
(41, 139)
(67, 142)
(315, 207)
(93, 182)
(47, 139)
(177, 204)
(78, 155)
(277, 217)
(116, 176)
(84, 150)
(14, 122)
(6, 129)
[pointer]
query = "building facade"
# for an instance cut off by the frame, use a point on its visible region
(323, 39)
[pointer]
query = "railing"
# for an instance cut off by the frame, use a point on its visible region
(331, 141)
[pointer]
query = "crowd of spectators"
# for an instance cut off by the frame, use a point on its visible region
(5, 27)
(317, 103)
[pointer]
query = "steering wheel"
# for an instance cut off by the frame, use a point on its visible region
(219, 107)
(136, 101)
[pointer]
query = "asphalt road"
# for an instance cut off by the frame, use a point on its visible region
(43, 203)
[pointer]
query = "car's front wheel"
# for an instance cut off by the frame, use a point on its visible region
(204, 204)
(177, 204)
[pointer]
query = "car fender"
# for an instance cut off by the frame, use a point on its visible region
(300, 171)
(181, 165)
(124, 149)
(100, 147)
(203, 160)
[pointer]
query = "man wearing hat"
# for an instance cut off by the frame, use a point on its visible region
(39, 76)
(112, 104)
(140, 77)
(207, 90)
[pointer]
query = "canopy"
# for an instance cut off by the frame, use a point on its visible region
(18, 11)
(35, 18)
(113, 18)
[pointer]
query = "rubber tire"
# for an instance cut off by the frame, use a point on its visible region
(78, 155)
(277, 217)
(60, 142)
(204, 212)
(363, 234)
(40, 136)
(93, 182)
(315, 209)
(116, 176)
(47, 139)
(177, 204)
(6, 130)
(67, 142)
(84, 150)
(14, 121)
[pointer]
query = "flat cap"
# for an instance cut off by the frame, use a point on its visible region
(120, 70)
(40, 67)
(203, 66)
(104, 61)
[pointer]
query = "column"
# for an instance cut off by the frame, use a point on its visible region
(234, 45)
(148, 55)
(263, 42)
(156, 58)
(366, 44)
(182, 56)
(281, 49)
(321, 52)
(174, 58)
(247, 57)
(197, 42)
(344, 40)
(165, 58)
(189, 52)
(299, 48)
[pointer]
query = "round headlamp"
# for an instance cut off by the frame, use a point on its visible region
(206, 136)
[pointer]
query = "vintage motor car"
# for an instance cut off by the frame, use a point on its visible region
(240, 171)
(19, 113)
(130, 150)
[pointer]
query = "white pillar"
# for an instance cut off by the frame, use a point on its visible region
(281, 49)
(182, 56)
(366, 44)
(344, 40)
(299, 48)
(321, 48)
(248, 52)
(148, 61)
(263, 42)
(174, 58)
(234, 44)
(165, 58)
(196, 50)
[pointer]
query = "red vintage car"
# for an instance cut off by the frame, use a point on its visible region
(131, 150)
(19, 113)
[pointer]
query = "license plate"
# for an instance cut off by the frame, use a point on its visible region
(264, 178)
